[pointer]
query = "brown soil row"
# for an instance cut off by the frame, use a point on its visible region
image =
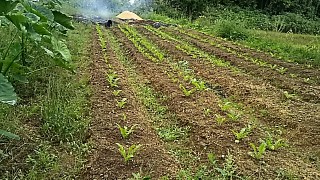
(310, 93)
(294, 68)
(260, 96)
(105, 162)
(205, 135)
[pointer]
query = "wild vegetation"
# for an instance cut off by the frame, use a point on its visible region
(210, 96)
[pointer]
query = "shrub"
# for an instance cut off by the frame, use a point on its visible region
(230, 30)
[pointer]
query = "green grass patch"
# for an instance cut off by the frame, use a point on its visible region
(51, 119)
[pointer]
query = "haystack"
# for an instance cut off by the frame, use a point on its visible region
(127, 15)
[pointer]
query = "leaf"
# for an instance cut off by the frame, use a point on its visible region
(18, 20)
(61, 48)
(41, 28)
(44, 13)
(32, 17)
(7, 6)
(7, 94)
(63, 19)
(9, 135)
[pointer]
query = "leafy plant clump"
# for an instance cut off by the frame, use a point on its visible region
(185, 91)
(129, 153)
(243, 133)
(231, 30)
(274, 144)
(35, 23)
(125, 131)
(122, 103)
(258, 152)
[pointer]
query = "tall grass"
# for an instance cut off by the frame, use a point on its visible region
(51, 117)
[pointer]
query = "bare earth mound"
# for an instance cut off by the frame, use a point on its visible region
(127, 15)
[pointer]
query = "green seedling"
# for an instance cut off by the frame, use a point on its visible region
(274, 66)
(200, 85)
(124, 117)
(274, 145)
(244, 132)
(125, 131)
(220, 119)
(229, 169)
(293, 75)
(186, 92)
(234, 116)
(113, 79)
(289, 96)
(129, 153)
(212, 159)
(122, 103)
(138, 176)
(258, 152)
(187, 77)
(207, 112)
(282, 70)
(116, 92)
(226, 106)
(306, 80)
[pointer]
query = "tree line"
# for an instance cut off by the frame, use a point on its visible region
(194, 8)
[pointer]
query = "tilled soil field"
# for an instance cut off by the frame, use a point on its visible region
(199, 107)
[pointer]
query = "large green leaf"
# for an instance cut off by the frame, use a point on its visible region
(63, 19)
(7, 6)
(41, 28)
(9, 135)
(61, 48)
(44, 13)
(18, 20)
(7, 94)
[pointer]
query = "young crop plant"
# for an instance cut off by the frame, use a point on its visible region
(226, 106)
(212, 159)
(243, 133)
(220, 119)
(113, 79)
(207, 111)
(129, 153)
(186, 92)
(289, 96)
(258, 152)
(233, 115)
(125, 131)
(199, 85)
(282, 70)
(274, 144)
(122, 103)
(116, 92)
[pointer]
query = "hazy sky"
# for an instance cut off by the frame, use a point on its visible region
(132, 1)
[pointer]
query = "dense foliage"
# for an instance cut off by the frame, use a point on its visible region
(308, 8)
(278, 15)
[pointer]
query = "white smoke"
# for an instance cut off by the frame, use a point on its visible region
(107, 9)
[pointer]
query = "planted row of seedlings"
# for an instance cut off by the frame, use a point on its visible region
(293, 70)
(306, 69)
(265, 99)
(120, 127)
(290, 83)
(113, 80)
(233, 114)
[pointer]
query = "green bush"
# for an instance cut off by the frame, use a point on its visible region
(231, 30)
